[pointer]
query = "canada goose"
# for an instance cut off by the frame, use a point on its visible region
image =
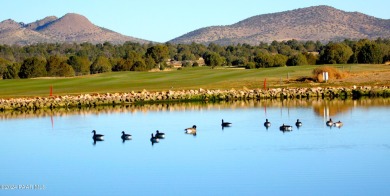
(285, 128)
(154, 139)
(191, 130)
(329, 123)
(267, 123)
(298, 123)
(125, 136)
(98, 137)
(160, 135)
(225, 124)
(338, 124)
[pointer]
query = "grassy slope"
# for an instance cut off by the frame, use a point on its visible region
(193, 78)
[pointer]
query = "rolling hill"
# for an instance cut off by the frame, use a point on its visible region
(321, 23)
(69, 28)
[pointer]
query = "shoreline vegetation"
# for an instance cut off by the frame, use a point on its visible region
(335, 106)
(202, 95)
(197, 84)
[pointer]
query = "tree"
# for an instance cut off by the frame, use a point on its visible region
(356, 47)
(139, 66)
(250, 65)
(298, 59)
(65, 70)
(336, 53)
(33, 67)
(159, 53)
(370, 53)
(80, 64)
(100, 65)
(311, 58)
(213, 59)
(3, 66)
(280, 60)
(150, 63)
(240, 61)
(12, 71)
(285, 50)
(310, 46)
(131, 58)
(55, 66)
(264, 60)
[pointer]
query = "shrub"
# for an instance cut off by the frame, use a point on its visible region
(186, 64)
(250, 65)
(298, 59)
(333, 73)
(195, 64)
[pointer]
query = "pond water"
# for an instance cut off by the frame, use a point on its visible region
(53, 153)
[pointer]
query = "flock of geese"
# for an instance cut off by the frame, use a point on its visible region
(337, 124)
(298, 124)
(155, 138)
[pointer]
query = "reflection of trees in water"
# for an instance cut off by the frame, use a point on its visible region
(334, 106)
(328, 108)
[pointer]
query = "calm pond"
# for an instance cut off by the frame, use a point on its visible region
(53, 153)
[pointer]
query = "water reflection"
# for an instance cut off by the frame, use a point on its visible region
(329, 123)
(285, 128)
(298, 124)
(97, 137)
(267, 124)
(225, 124)
(321, 107)
(223, 162)
(154, 139)
(95, 140)
(125, 137)
(160, 135)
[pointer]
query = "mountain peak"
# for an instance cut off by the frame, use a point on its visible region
(71, 27)
(75, 18)
(41, 23)
(9, 24)
(70, 23)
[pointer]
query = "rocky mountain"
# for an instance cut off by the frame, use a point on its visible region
(69, 28)
(321, 23)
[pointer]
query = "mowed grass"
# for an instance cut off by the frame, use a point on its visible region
(190, 78)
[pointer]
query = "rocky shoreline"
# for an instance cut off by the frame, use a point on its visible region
(93, 100)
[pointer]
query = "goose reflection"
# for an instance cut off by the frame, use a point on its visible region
(298, 124)
(125, 137)
(97, 137)
(329, 123)
(160, 135)
(154, 139)
(95, 140)
(285, 128)
(267, 124)
(225, 124)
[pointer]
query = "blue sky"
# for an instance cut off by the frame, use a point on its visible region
(163, 20)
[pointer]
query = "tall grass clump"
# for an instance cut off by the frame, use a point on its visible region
(333, 73)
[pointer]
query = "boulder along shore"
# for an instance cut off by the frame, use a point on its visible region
(92, 100)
